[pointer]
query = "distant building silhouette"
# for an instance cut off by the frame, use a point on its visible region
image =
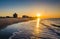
(7, 17)
(25, 16)
(15, 15)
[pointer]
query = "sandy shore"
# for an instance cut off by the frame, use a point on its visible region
(9, 21)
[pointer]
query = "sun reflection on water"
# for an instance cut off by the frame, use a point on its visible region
(37, 30)
(38, 20)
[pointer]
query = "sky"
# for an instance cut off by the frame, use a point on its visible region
(47, 8)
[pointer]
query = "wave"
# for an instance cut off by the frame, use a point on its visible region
(52, 33)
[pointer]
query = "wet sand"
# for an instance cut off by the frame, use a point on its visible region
(9, 21)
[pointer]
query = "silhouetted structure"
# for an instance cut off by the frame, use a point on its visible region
(15, 15)
(7, 17)
(24, 16)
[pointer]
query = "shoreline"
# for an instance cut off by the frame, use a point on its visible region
(9, 21)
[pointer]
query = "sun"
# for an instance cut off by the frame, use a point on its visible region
(38, 14)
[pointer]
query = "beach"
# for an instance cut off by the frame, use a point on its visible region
(9, 21)
(32, 29)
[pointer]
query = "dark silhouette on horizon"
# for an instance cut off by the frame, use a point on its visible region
(25, 16)
(15, 15)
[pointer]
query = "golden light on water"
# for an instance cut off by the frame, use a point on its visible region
(37, 26)
(38, 20)
(37, 30)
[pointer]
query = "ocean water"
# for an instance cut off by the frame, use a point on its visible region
(35, 29)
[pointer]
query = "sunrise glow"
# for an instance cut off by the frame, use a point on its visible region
(38, 15)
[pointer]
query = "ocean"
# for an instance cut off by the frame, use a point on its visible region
(34, 29)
